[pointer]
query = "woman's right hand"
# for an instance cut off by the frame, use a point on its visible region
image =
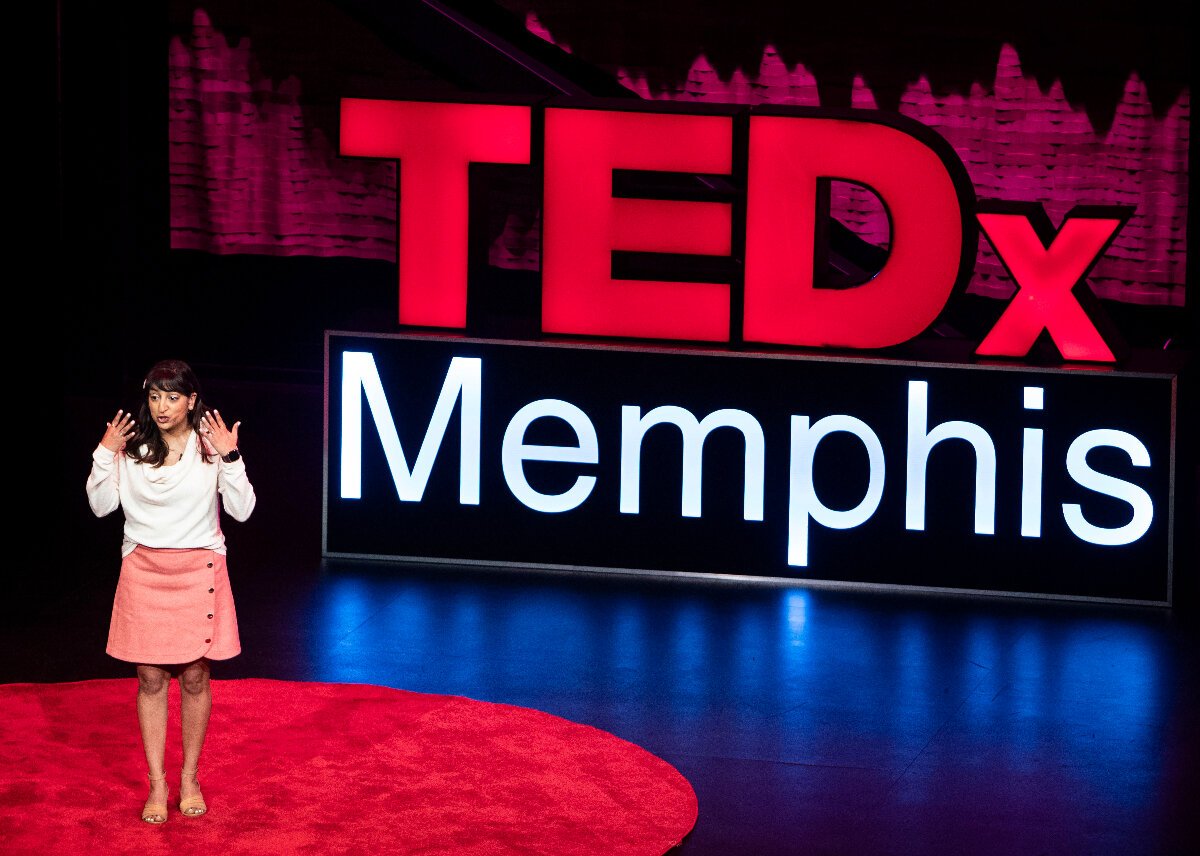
(118, 431)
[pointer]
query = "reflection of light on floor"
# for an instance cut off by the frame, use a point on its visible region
(1026, 704)
(981, 645)
(795, 605)
(628, 640)
(690, 640)
(347, 605)
(967, 693)
(1116, 669)
(413, 621)
(466, 616)
(917, 681)
(754, 661)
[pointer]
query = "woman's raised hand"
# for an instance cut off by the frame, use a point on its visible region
(118, 432)
(218, 439)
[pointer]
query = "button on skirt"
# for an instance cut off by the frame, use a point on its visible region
(173, 606)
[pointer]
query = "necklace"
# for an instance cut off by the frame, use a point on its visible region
(177, 451)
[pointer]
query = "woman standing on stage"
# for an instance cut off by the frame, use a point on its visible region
(173, 610)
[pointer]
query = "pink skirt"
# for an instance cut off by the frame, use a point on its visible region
(173, 606)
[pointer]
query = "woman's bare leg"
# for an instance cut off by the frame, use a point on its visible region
(195, 693)
(153, 684)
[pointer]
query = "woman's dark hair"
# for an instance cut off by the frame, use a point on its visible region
(148, 446)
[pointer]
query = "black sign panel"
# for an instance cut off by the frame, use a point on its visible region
(998, 479)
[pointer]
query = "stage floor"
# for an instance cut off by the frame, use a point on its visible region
(807, 720)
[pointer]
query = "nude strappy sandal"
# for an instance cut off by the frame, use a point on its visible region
(192, 806)
(155, 813)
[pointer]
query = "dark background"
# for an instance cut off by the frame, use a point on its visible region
(1091, 49)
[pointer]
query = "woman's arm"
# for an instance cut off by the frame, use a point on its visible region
(103, 481)
(237, 494)
(102, 492)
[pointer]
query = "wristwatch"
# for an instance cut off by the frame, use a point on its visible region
(231, 457)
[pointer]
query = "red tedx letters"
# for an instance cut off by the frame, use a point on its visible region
(916, 175)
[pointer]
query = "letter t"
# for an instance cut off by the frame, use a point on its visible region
(435, 144)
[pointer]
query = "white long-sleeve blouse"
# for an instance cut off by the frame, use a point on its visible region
(171, 507)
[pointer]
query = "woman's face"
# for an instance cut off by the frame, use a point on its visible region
(169, 410)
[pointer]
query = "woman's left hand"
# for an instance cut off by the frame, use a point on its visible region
(217, 439)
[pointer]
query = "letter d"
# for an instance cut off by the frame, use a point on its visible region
(925, 190)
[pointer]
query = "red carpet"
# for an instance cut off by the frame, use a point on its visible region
(310, 768)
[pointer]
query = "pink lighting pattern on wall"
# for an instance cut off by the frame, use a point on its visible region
(250, 175)
(1018, 143)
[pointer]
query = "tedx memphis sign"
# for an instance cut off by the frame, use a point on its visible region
(699, 459)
